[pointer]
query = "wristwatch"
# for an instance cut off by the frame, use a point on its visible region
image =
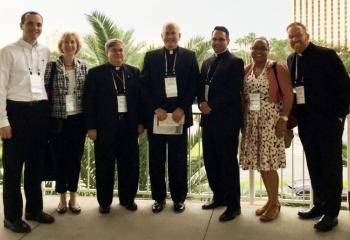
(284, 118)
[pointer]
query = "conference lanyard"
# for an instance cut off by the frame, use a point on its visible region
(121, 79)
(30, 62)
(166, 64)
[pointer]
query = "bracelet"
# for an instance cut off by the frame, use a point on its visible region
(284, 118)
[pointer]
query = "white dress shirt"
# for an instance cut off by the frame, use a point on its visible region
(17, 60)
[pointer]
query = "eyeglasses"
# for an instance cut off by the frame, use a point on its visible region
(218, 39)
(116, 50)
(262, 49)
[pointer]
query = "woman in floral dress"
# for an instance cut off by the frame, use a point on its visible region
(265, 122)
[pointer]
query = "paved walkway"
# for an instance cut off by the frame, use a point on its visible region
(193, 224)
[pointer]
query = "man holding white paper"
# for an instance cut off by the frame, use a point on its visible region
(169, 78)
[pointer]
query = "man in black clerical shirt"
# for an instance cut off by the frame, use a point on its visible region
(322, 88)
(113, 119)
(220, 103)
(169, 78)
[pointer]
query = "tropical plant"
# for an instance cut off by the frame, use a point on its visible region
(201, 47)
(244, 45)
(103, 30)
(279, 50)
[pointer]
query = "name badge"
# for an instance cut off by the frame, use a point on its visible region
(71, 103)
(300, 92)
(35, 83)
(254, 101)
(121, 103)
(170, 87)
(206, 92)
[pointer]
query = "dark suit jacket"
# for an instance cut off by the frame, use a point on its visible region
(224, 97)
(153, 87)
(326, 83)
(100, 98)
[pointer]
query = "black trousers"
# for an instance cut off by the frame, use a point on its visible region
(177, 165)
(220, 148)
(322, 141)
(29, 123)
(120, 145)
(68, 147)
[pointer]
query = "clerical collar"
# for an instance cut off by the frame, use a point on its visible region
(306, 50)
(171, 52)
(115, 68)
(221, 54)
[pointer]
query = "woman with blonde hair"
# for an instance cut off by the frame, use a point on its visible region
(64, 82)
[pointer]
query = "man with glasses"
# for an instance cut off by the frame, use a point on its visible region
(24, 119)
(322, 88)
(112, 113)
(169, 79)
(220, 103)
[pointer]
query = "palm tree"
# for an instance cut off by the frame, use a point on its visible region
(245, 42)
(94, 54)
(201, 47)
(103, 30)
(279, 50)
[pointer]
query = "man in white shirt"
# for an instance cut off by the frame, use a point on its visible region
(24, 123)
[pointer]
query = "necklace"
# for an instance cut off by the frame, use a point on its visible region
(69, 67)
(257, 71)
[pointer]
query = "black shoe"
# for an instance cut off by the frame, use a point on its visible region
(61, 210)
(104, 210)
(229, 214)
(75, 210)
(18, 226)
(157, 207)
(326, 223)
(179, 207)
(41, 217)
(213, 204)
(310, 213)
(131, 206)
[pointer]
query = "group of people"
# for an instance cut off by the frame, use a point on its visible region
(114, 102)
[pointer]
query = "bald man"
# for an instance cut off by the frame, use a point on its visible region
(322, 88)
(169, 78)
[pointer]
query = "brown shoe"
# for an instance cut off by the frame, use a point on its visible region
(262, 210)
(271, 213)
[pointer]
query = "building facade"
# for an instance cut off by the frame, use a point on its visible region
(326, 20)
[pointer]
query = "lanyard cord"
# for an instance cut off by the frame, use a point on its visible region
(166, 64)
(261, 74)
(209, 81)
(122, 79)
(66, 79)
(30, 63)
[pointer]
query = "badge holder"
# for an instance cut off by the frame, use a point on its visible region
(254, 101)
(170, 87)
(121, 103)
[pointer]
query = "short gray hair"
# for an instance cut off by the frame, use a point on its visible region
(177, 27)
(111, 42)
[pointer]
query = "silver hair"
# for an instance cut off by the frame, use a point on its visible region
(111, 42)
(177, 28)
